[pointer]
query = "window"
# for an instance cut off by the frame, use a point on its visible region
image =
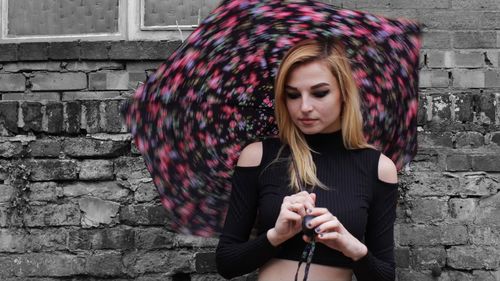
(69, 20)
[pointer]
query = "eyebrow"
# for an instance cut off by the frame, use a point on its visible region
(319, 85)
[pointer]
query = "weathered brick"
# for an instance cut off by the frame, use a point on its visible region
(8, 52)
(112, 120)
(96, 170)
(6, 193)
(32, 116)
(43, 191)
(154, 238)
(143, 215)
(131, 168)
(86, 147)
(53, 81)
(477, 185)
(449, 19)
(487, 163)
(161, 50)
(104, 264)
(402, 257)
(474, 39)
(52, 215)
(38, 96)
(94, 50)
(143, 66)
(468, 59)
(91, 115)
(104, 190)
(194, 241)
(145, 191)
(12, 82)
(32, 66)
(101, 239)
(159, 261)
(55, 117)
(97, 211)
(11, 149)
(429, 209)
(92, 66)
(66, 96)
(441, 109)
(488, 211)
(480, 275)
(45, 148)
(492, 78)
(44, 264)
(33, 51)
(437, 40)
(4, 214)
(463, 108)
(458, 162)
(124, 50)
(473, 257)
(484, 234)
(64, 50)
(492, 58)
(485, 108)
(463, 209)
(116, 80)
(72, 116)
(205, 262)
(471, 5)
(431, 235)
(8, 115)
(468, 78)
(428, 257)
(433, 79)
(46, 170)
(469, 140)
(495, 138)
(19, 240)
(428, 4)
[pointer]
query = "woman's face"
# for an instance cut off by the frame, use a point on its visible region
(313, 98)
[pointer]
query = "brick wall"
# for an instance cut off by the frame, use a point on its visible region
(76, 202)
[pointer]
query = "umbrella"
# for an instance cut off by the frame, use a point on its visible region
(214, 95)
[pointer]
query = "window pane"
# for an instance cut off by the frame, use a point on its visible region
(62, 17)
(186, 12)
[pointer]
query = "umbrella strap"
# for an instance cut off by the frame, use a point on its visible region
(307, 255)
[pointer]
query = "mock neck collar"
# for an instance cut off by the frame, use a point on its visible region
(324, 141)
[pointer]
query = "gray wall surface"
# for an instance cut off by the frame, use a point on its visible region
(76, 201)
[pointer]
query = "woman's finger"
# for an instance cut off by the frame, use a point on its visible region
(328, 226)
(328, 236)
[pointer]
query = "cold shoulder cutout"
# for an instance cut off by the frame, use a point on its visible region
(387, 171)
(251, 155)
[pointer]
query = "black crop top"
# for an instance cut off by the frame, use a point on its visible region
(365, 206)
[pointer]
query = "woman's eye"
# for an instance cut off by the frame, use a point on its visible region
(321, 94)
(292, 95)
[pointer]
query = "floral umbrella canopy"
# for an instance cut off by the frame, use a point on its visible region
(214, 95)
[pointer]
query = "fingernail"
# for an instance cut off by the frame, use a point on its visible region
(321, 235)
(317, 229)
(309, 224)
(309, 211)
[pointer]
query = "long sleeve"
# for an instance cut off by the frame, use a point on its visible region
(378, 264)
(235, 254)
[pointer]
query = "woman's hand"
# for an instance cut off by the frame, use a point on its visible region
(289, 221)
(333, 234)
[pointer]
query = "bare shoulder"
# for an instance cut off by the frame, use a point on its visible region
(251, 155)
(387, 171)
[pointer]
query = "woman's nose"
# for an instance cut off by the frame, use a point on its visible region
(305, 106)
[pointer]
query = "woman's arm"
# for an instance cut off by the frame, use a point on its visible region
(235, 254)
(378, 264)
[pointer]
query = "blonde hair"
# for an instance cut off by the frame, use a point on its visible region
(332, 54)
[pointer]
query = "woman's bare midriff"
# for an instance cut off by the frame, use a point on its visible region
(284, 270)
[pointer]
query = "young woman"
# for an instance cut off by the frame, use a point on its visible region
(351, 187)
